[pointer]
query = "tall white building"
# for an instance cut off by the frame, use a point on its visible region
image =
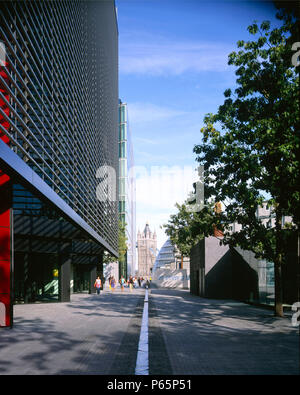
(127, 191)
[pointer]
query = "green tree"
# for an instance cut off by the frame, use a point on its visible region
(187, 227)
(250, 147)
(122, 246)
(122, 241)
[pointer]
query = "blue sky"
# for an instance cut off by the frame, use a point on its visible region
(172, 71)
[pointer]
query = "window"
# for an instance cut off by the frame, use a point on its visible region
(122, 150)
(122, 114)
(122, 187)
(122, 134)
(122, 168)
(121, 206)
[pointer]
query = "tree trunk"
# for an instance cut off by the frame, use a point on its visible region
(278, 287)
(278, 265)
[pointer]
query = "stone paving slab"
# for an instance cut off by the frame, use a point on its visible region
(81, 337)
(205, 336)
(159, 361)
(126, 356)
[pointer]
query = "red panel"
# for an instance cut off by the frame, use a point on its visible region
(5, 244)
(5, 300)
(5, 277)
(5, 218)
(5, 225)
(4, 178)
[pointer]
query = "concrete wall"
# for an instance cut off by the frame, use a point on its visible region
(211, 272)
(245, 275)
(222, 272)
(170, 278)
(218, 269)
(197, 266)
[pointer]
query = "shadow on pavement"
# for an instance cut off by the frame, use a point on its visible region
(209, 336)
(90, 335)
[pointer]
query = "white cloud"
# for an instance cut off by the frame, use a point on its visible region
(146, 141)
(160, 56)
(157, 192)
(148, 112)
(163, 186)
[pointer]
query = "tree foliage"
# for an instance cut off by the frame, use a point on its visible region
(122, 246)
(250, 146)
(122, 242)
(187, 227)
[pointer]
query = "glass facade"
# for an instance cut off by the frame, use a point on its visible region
(254, 279)
(43, 242)
(58, 126)
(127, 197)
(63, 107)
(37, 278)
(165, 257)
(266, 282)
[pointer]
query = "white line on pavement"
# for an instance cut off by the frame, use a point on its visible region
(142, 361)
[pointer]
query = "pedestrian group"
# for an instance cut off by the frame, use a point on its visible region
(131, 283)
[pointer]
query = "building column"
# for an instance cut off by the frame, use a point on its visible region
(27, 291)
(99, 268)
(6, 252)
(93, 276)
(65, 272)
(72, 280)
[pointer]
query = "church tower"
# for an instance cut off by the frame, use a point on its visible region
(146, 244)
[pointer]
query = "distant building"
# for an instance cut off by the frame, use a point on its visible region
(166, 257)
(146, 245)
(267, 217)
(127, 191)
(171, 269)
(169, 257)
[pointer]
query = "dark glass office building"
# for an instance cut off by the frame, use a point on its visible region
(58, 148)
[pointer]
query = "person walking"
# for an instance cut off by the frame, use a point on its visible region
(130, 283)
(113, 284)
(122, 282)
(147, 283)
(97, 285)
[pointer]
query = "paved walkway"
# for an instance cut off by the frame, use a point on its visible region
(81, 337)
(205, 336)
(188, 335)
